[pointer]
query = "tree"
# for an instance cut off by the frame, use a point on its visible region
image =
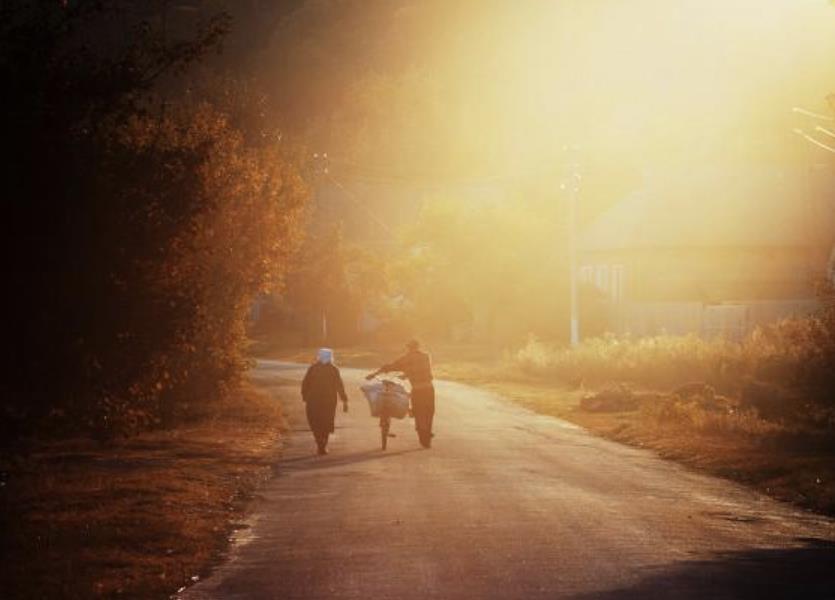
(145, 215)
(492, 270)
(332, 284)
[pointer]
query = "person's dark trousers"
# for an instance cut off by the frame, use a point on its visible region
(423, 408)
(321, 441)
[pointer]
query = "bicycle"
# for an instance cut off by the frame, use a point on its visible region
(386, 400)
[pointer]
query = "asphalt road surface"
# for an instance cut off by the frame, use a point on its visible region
(508, 504)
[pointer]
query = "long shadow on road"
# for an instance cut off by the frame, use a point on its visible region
(313, 462)
(805, 572)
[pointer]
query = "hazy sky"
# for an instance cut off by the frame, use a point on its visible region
(515, 81)
(658, 72)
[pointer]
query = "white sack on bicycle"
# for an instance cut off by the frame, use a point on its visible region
(386, 396)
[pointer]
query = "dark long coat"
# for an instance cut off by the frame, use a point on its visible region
(320, 387)
(417, 366)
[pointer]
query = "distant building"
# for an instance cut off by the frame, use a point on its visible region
(832, 266)
(712, 251)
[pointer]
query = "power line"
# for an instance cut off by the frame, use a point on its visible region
(812, 114)
(818, 128)
(356, 201)
(814, 141)
(828, 132)
(383, 173)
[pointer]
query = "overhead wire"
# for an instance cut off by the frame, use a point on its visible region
(814, 141)
(812, 114)
(820, 129)
(828, 132)
(356, 201)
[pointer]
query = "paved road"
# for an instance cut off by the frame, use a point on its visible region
(509, 504)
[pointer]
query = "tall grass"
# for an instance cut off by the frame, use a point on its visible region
(692, 416)
(791, 353)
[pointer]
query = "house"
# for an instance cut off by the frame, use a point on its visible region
(832, 266)
(712, 250)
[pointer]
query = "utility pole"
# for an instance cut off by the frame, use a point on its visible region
(321, 168)
(572, 185)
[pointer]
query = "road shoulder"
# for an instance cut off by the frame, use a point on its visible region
(143, 517)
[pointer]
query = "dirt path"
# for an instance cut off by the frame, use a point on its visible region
(509, 504)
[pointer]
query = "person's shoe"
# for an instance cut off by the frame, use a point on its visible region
(322, 451)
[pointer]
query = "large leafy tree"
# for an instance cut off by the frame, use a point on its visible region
(144, 211)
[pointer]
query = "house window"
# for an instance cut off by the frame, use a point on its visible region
(601, 277)
(832, 266)
(616, 288)
(606, 278)
(586, 274)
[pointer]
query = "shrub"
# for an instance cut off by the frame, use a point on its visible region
(613, 399)
(674, 414)
(660, 361)
(798, 353)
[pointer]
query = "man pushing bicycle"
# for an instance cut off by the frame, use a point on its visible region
(416, 366)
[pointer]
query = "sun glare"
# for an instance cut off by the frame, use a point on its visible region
(640, 76)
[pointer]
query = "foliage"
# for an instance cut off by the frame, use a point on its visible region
(330, 279)
(694, 417)
(483, 268)
(145, 218)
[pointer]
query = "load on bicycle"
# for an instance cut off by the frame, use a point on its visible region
(387, 400)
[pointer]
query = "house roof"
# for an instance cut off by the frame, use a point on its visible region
(720, 206)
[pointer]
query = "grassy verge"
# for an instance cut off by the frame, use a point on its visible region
(141, 518)
(793, 462)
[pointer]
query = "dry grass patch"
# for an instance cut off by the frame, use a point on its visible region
(140, 518)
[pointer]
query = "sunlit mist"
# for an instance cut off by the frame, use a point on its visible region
(503, 87)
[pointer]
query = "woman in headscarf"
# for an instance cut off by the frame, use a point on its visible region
(321, 385)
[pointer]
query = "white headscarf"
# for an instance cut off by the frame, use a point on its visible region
(325, 355)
